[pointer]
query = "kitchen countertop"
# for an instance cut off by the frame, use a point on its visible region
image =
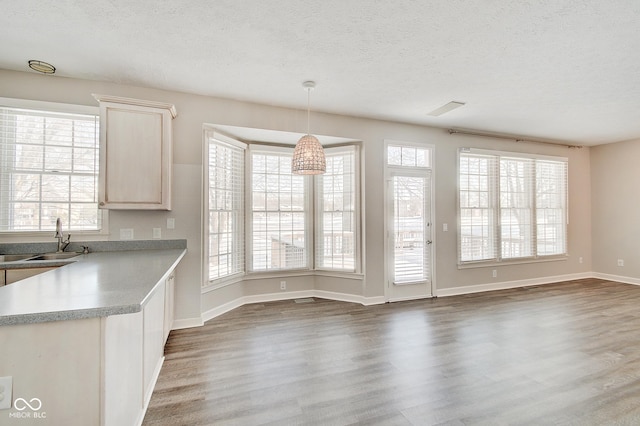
(87, 286)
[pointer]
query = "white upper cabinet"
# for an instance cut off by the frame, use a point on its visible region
(135, 154)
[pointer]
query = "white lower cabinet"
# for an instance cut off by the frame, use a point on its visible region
(89, 372)
(169, 304)
(122, 396)
(153, 340)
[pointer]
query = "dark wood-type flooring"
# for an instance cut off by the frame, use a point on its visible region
(559, 354)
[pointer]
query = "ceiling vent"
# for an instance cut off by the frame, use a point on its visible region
(445, 108)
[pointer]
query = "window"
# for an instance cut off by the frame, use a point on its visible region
(336, 205)
(225, 207)
(408, 156)
(516, 207)
(279, 209)
(511, 206)
(259, 217)
(48, 169)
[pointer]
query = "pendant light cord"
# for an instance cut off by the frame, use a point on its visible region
(308, 109)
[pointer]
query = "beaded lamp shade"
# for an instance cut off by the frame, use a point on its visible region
(308, 155)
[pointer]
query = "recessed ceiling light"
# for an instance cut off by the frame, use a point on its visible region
(446, 108)
(43, 67)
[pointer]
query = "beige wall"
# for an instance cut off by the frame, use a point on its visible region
(615, 183)
(195, 110)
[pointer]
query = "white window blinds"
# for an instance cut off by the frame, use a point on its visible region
(411, 222)
(225, 208)
(48, 169)
(478, 234)
(336, 231)
(516, 207)
(551, 207)
(278, 212)
(511, 206)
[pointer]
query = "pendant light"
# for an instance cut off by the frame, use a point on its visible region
(308, 155)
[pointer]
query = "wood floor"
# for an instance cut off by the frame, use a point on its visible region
(560, 354)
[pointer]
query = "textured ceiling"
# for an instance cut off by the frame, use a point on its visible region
(566, 70)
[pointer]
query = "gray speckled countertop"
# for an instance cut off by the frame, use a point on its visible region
(89, 285)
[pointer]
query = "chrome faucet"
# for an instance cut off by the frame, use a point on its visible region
(62, 244)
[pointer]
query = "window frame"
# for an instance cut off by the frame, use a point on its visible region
(355, 151)
(495, 208)
(256, 148)
(311, 215)
(211, 136)
(58, 108)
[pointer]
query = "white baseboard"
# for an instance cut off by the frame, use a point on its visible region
(290, 295)
(618, 278)
(409, 298)
(353, 298)
(222, 309)
(367, 301)
(274, 297)
(187, 323)
(454, 291)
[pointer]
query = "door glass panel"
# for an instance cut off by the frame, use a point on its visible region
(411, 233)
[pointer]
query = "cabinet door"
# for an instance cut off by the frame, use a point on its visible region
(122, 389)
(135, 154)
(153, 346)
(169, 304)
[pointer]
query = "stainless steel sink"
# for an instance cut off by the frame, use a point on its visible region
(54, 256)
(14, 257)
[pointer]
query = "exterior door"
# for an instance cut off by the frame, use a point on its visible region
(409, 243)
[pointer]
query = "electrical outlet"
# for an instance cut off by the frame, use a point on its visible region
(171, 223)
(283, 285)
(126, 234)
(620, 262)
(445, 227)
(495, 273)
(6, 387)
(580, 259)
(157, 233)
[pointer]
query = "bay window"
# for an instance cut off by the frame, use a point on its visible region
(267, 219)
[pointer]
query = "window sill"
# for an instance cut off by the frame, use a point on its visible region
(490, 264)
(48, 236)
(220, 283)
(254, 276)
(339, 274)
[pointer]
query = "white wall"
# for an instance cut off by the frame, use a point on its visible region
(615, 183)
(194, 110)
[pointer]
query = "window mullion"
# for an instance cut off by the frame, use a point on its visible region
(497, 205)
(534, 210)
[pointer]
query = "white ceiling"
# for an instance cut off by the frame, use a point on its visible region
(565, 70)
